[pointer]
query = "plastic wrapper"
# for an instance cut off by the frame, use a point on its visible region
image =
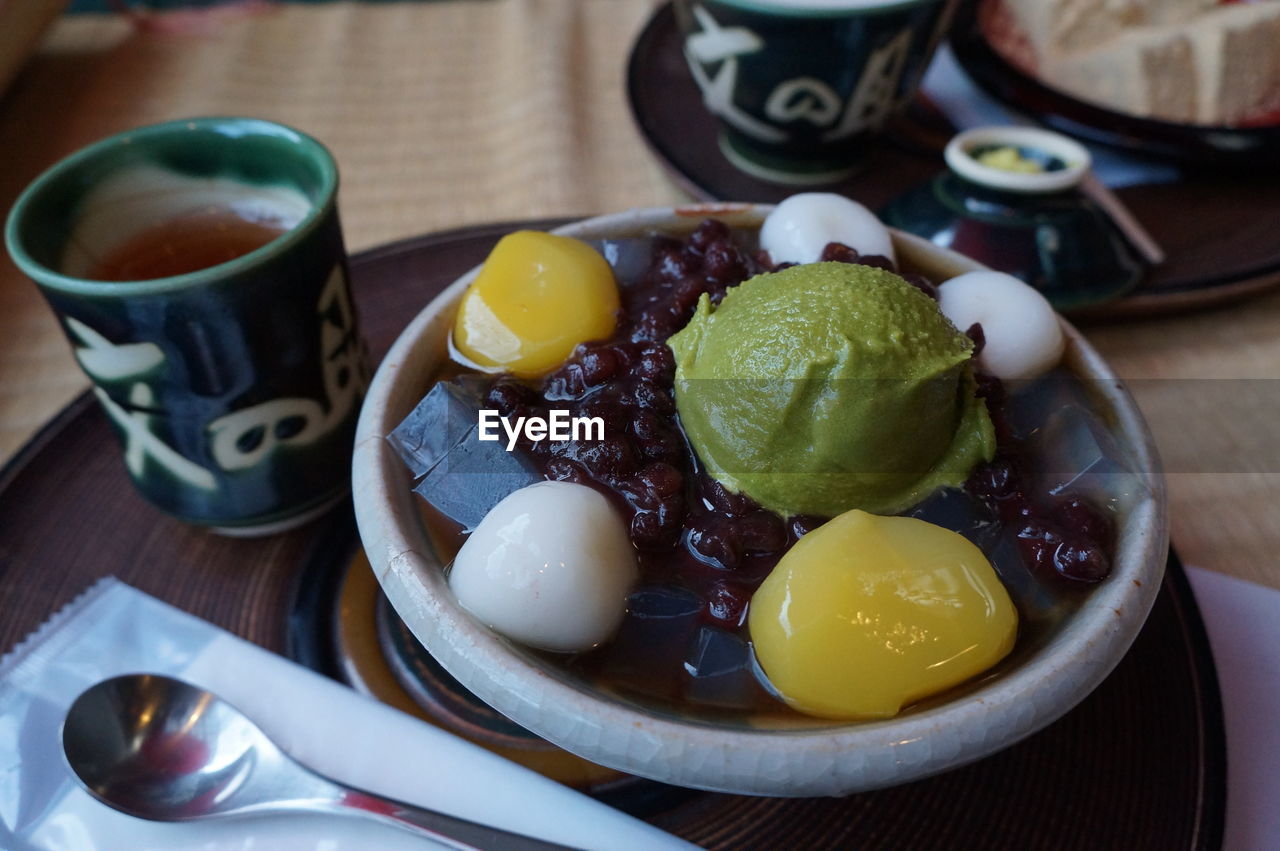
(114, 629)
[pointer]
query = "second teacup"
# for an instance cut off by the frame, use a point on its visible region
(801, 86)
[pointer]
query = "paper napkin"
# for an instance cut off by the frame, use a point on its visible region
(1243, 622)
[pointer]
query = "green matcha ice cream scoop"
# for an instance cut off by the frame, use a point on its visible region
(827, 387)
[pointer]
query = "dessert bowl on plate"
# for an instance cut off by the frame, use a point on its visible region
(785, 753)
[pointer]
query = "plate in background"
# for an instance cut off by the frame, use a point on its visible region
(977, 21)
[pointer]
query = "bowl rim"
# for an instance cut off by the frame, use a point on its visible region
(819, 760)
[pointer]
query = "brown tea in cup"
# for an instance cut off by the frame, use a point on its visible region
(197, 240)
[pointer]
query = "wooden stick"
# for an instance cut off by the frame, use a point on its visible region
(1124, 220)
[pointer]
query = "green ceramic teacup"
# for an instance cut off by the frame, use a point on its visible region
(801, 86)
(234, 386)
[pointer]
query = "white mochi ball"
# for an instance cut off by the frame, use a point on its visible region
(549, 566)
(1023, 335)
(801, 226)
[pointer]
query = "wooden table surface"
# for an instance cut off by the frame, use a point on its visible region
(454, 113)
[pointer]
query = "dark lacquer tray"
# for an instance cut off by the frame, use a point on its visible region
(1139, 764)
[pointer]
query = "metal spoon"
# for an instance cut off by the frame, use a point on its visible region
(161, 749)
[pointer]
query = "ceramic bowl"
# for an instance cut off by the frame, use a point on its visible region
(798, 757)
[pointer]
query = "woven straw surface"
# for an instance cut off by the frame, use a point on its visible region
(454, 113)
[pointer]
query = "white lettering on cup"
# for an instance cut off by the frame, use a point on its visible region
(798, 99)
(874, 98)
(140, 443)
(804, 98)
(244, 438)
(235, 446)
(106, 361)
(724, 44)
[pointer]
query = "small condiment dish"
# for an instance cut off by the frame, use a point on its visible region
(778, 755)
(1044, 227)
(1064, 161)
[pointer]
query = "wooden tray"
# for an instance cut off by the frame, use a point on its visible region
(1218, 229)
(1141, 763)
